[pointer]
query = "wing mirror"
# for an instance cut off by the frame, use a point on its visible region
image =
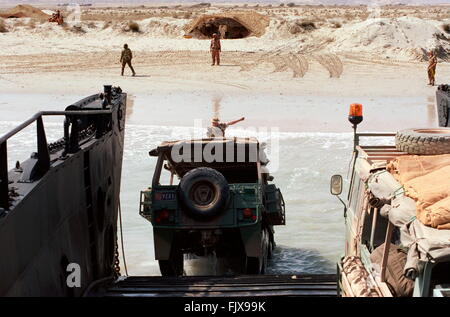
(336, 185)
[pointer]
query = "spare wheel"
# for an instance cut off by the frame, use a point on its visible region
(204, 193)
(431, 141)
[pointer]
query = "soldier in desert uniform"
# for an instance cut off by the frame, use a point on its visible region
(215, 49)
(57, 17)
(125, 58)
(432, 68)
(217, 129)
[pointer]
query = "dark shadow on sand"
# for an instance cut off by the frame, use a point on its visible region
(140, 76)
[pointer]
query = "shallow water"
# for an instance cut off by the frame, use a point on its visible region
(313, 238)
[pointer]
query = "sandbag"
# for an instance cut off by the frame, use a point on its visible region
(407, 167)
(437, 215)
(383, 185)
(426, 179)
(428, 191)
(401, 211)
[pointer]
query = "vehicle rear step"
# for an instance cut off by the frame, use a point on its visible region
(239, 286)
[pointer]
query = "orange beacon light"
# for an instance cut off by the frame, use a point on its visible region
(355, 115)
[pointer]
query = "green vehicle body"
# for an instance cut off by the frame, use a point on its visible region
(243, 229)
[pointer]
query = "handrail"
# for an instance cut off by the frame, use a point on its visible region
(375, 134)
(49, 113)
(43, 155)
(358, 135)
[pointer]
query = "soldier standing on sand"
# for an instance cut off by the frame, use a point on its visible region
(217, 129)
(126, 58)
(215, 49)
(432, 68)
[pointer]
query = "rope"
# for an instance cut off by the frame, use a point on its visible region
(399, 191)
(121, 241)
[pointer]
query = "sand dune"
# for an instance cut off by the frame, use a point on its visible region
(399, 38)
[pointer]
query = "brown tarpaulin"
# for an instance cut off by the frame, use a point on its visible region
(398, 284)
(426, 179)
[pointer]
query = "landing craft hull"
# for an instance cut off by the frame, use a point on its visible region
(66, 211)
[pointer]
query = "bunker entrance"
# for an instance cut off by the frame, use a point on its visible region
(227, 28)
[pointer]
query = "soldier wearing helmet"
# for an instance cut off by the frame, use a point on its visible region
(217, 129)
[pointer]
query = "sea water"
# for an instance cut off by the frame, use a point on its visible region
(306, 157)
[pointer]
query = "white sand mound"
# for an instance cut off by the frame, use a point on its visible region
(168, 27)
(405, 37)
(49, 12)
(402, 38)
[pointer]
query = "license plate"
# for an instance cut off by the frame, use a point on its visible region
(165, 196)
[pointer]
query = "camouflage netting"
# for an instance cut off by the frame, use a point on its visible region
(426, 179)
(358, 278)
(230, 25)
(24, 11)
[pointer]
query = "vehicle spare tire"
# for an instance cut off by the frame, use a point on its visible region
(424, 141)
(204, 192)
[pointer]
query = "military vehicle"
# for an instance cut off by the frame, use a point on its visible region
(222, 205)
(397, 242)
(443, 105)
(59, 208)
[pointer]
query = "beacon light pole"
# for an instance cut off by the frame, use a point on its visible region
(355, 116)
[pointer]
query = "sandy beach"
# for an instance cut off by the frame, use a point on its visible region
(281, 50)
(389, 91)
(325, 56)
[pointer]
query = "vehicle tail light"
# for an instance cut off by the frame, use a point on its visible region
(247, 213)
(162, 215)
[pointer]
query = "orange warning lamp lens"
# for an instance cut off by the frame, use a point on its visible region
(355, 115)
(355, 110)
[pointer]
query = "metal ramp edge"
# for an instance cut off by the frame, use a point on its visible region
(320, 285)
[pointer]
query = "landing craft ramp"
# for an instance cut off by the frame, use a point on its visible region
(317, 285)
